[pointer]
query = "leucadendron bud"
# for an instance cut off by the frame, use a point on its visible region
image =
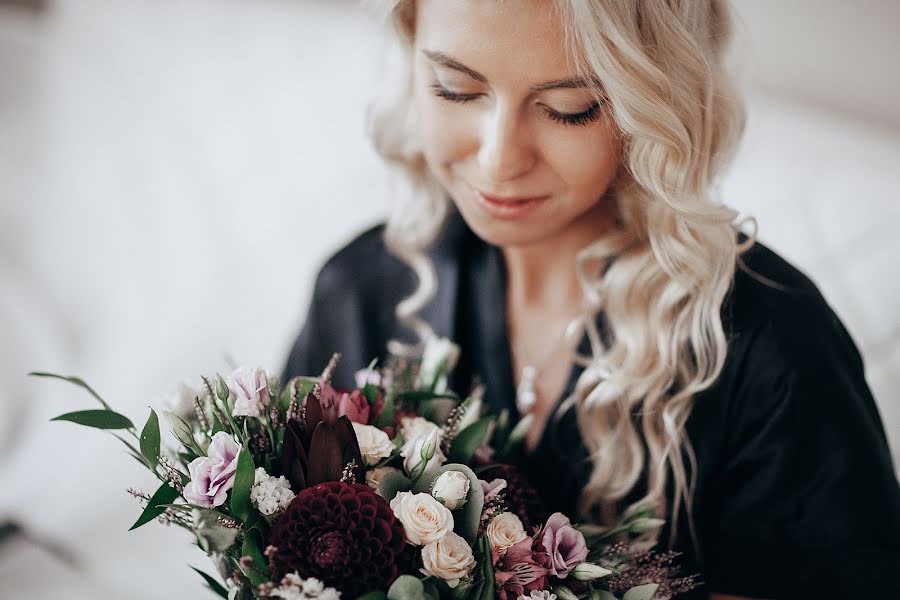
(589, 571)
(564, 593)
(221, 389)
(180, 429)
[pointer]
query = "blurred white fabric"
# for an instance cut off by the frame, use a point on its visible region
(173, 173)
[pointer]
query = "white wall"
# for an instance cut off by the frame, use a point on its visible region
(173, 172)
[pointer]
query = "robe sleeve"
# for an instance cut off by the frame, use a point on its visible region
(805, 502)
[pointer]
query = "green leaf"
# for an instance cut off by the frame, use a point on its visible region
(99, 419)
(601, 595)
(76, 380)
(641, 592)
(257, 572)
(392, 484)
(386, 416)
(468, 441)
(214, 585)
(487, 569)
(164, 495)
(419, 396)
(373, 596)
(243, 481)
(150, 440)
(406, 587)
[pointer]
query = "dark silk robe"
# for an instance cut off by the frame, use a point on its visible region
(796, 492)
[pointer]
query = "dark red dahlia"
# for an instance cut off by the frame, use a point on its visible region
(521, 497)
(342, 533)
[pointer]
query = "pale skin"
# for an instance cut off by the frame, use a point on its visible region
(511, 128)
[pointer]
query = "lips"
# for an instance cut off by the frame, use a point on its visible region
(509, 199)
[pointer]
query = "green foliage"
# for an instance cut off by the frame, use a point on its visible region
(75, 380)
(469, 440)
(150, 440)
(641, 592)
(165, 494)
(98, 419)
(243, 481)
(213, 585)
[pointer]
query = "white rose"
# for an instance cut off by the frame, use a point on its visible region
(374, 476)
(505, 530)
(416, 427)
(451, 488)
(374, 444)
(424, 519)
(450, 559)
(428, 449)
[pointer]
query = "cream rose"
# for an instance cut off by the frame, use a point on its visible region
(424, 519)
(450, 559)
(451, 488)
(374, 476)
(416, 427)
(374, 444)
(505, 530)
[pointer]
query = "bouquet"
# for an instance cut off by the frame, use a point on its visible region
(394, 490)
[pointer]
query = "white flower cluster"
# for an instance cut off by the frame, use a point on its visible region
(538, 595)
(294, 587)
(270, 495)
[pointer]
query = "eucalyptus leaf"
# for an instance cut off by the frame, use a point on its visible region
(392, 484)
(641, 592)
(406, 587)
(98, 419)
(76, 380)
(487, 570)
(466, 518)
(467, 441)
(214, 585)
(602, 595)
(150, 440)
(212, 536)
(165, 494)
(243, 481)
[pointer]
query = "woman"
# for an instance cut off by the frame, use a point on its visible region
(561, 229)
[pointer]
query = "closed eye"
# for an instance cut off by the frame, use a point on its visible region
(582, 118)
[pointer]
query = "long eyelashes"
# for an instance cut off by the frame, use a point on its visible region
(582, 118)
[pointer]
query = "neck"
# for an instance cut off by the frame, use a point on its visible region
(542, 276)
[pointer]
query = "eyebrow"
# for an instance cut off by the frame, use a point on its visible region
(451, 63)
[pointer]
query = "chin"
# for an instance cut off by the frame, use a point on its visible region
(505, 233)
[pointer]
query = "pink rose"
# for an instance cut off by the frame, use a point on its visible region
(565, 544)
(355, 405)
(213, 475)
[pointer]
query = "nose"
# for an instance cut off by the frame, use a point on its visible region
(506, 151)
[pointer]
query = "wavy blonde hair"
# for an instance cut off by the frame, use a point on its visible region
(667, 267)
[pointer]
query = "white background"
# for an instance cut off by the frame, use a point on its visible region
(174, 172)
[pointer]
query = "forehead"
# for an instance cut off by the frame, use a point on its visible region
(500, 39)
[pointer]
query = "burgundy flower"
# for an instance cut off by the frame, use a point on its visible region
(521, 570)
(521, 497)
(344, 534)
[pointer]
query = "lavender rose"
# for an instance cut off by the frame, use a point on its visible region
(250, 388)
(564, 544)
(213, 475)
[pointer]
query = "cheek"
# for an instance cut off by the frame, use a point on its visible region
(584, 161)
